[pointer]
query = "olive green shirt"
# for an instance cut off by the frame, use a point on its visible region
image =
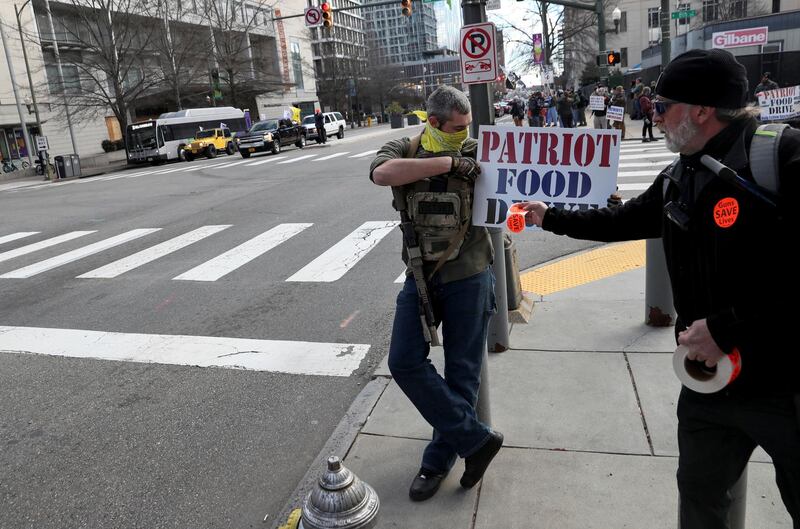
(476, 253)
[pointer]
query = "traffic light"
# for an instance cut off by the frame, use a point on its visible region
(405, 7)
(327, 14)
(612, 58)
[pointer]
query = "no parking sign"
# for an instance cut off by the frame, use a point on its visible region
(478, 53)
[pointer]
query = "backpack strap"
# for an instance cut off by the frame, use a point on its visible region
(764, 163)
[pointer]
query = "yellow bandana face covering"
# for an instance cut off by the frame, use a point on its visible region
(434, 140)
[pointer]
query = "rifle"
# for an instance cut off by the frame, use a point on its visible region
(415, 263)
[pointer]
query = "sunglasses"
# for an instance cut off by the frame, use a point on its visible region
(662, 106)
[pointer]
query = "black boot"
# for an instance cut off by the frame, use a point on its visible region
(476, 464)
(425, 484)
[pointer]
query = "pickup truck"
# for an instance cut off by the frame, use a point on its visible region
(270, 135)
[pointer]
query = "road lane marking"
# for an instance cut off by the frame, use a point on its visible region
(74, 255)
(633, 187)
(5, 256)
(273, 158)
(277, 356)
(653, 155)
(342, 256)
(292, 160)
(17, 236)
(367, 153)
(231, 164)
(154, 252)
(331, 156)
(244, 253)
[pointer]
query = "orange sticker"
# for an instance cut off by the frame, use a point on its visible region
(516, 218)
(726, 212)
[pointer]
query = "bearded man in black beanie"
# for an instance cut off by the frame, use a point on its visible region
(733, 278)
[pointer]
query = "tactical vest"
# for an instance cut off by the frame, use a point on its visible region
(440, 209)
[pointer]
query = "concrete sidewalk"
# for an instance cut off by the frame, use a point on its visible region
(586, 400)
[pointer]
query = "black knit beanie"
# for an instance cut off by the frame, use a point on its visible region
(711, 78)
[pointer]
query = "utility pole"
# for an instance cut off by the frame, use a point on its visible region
(28, 144)
(60, 76)
(666, 51)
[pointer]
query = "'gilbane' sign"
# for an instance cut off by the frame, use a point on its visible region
(740, 37)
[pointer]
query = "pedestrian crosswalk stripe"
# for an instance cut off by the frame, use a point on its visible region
(180, 167)
(5, 256)
(17, 236)
(154, 252)
(631, 174)
(401, 278)
(242, 254)
(653, 155)
(265, 160)
(660, 165)
(297, 159)
(74, 255)
(367, 153)
(331, 156)
(233, 163)
(633, 187)
(643, 147)
(278, 356)
(342, 256)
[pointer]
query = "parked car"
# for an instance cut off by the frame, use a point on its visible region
(334, 125)
(499, 110)
(271, 135)
(209, 142)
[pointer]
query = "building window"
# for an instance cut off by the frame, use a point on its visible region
(297, 65)
(738, 9)
(776, 6)
(684, 7)
(623, 22)
(623, 52)
(710, 10)
(72, 80)
(652, 17)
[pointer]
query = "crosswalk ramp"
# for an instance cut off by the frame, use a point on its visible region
(200, 165)
(330, 265)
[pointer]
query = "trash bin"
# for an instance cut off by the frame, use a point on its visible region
(76, 165)
(63, 166)
(513, 283)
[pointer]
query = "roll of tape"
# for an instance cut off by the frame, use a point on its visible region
(697, 377)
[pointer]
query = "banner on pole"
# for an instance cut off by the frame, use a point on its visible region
(538, 49)
(572, 169)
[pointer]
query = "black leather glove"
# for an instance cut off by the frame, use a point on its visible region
(465, 168)
(614, 200)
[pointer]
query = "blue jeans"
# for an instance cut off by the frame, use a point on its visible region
(447, 403)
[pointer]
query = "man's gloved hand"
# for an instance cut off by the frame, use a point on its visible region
(465, 168)
(614, 200)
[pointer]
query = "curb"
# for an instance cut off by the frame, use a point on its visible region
(339, 443)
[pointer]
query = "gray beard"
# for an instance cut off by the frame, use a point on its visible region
(677, 139)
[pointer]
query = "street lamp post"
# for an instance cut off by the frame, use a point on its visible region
(13, 76)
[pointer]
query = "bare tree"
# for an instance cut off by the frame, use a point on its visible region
(112, 61)
(244, 58)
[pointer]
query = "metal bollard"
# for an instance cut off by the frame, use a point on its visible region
(659, 309)
(737, 511)
(340, 501)
(498, 326)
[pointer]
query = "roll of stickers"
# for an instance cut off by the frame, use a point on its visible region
(697, 377)
(515, 221)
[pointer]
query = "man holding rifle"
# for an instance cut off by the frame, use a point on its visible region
(728, 234)
(448, 281)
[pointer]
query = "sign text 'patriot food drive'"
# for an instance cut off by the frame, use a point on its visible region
(566, 168)
(779, 104)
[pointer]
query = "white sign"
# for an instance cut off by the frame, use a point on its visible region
(740, 37)
(313, 16)
(492, 5)
(547, 75)
(779, 104)
(597, 103)
(478, 53)
(41, 144)
(616, 114)
(572, 169)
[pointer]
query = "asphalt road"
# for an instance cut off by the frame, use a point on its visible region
(90, 442)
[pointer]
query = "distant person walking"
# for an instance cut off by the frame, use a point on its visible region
(319, 122)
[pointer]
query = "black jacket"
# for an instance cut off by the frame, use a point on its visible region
(740, 277)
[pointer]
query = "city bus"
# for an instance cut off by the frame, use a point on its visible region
(162, 139)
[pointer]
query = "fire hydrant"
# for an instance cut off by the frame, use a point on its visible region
(340, 500)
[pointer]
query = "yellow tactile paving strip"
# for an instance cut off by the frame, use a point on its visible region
(584, 268)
